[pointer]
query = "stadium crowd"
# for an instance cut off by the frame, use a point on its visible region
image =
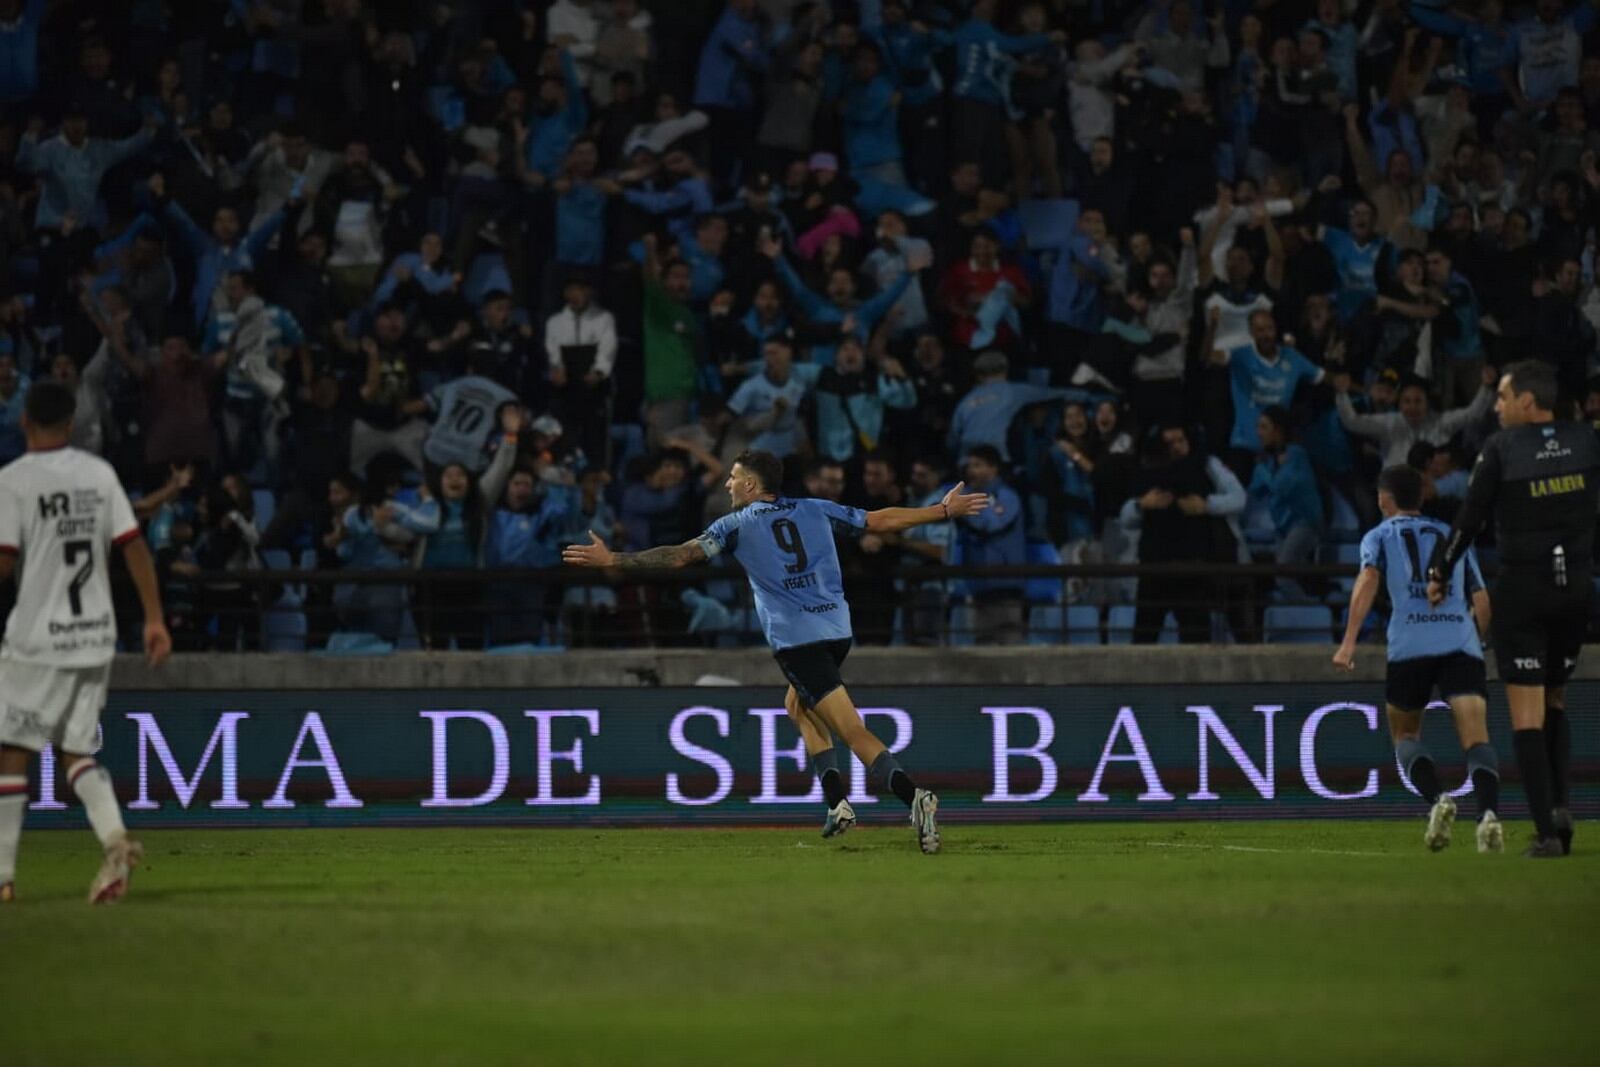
(448, 285)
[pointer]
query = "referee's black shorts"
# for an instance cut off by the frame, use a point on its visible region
(1411, 683)
(1538, 626)
(813, 669)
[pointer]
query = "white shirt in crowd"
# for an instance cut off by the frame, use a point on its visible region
(570, 329)
(61, 513)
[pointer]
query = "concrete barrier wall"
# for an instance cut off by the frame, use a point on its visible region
(1088, 665)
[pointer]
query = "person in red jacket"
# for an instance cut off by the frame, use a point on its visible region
(982, 294)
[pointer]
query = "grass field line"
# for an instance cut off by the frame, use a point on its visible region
(1256, 848)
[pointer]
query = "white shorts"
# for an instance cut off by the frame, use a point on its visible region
(41, 705)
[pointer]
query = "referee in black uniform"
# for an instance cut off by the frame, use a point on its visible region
(1541, 478)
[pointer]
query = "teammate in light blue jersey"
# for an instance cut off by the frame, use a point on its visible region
(786, 547)
(1431, 647)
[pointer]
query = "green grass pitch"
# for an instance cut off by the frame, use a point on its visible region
(1135, 942)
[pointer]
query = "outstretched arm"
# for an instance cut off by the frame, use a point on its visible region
(596, 554)
(956, 504)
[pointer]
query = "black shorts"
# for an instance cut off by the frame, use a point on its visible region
(1411, 683)
(1538, 626)
(813, 669)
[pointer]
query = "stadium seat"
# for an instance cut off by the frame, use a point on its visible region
(284, 628)
(409, 640)
(963, 621)
(524, 650)
(266, 506)
(1083, 624)
(1346, 552)
(1298, 624)
(1343, 523)
(1119, 624)
(1169, 630)
(1045, 622)
(345, 643)
(1043, 590)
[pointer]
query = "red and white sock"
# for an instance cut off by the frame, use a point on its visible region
(92, 783)
(13, 804)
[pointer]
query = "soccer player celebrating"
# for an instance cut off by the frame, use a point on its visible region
(1541, 479)
(1431, 647)
(61, 512)
(786, 547)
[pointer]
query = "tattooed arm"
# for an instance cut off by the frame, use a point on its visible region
(596, 554)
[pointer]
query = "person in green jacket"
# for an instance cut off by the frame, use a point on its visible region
(671, 336)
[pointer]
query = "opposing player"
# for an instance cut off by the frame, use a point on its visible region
(1432, 647)
(61, 513)
(1541, 479)
(786, 547)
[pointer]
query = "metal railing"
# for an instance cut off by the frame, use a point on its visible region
(286, 610)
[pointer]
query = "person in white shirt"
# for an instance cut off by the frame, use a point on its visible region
(573, 25)
(62, 511)
(580, 342)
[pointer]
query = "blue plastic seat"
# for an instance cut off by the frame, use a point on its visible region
(1119, 624)
(1298, 624)
(1083, 624)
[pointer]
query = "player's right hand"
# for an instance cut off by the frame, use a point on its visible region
(157, 643)
(593, 554)
(1345, 658)
(958, 504)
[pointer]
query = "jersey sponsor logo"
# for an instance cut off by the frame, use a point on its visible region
(1558, 485)
(54, 506)
(819, 609)
(1528, 663)
(1553, 449)
(1417, 618)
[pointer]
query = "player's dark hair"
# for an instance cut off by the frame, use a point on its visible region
(49, 405)
(1536, 377)
(767, 467)
(1404, 484)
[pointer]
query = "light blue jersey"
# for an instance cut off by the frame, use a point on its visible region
(1400, 548)
(466, 412)
(786, 548)
(1259, 384)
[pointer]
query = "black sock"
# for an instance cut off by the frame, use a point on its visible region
(832, 787)
(886, 772)
(903, 786)
(1558, 741)
(1533, 759)
(1425, 776)
(826, 764)
(1486, 790)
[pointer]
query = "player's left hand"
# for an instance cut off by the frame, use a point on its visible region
(157, 643)
(1345, 658)
(1435, 593)
(958, 503)
(593, 554)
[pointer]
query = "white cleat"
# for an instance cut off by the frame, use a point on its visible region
(1440, 821)
(115, 871)
(924, 809)
(1491, 836)
(840, 818)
